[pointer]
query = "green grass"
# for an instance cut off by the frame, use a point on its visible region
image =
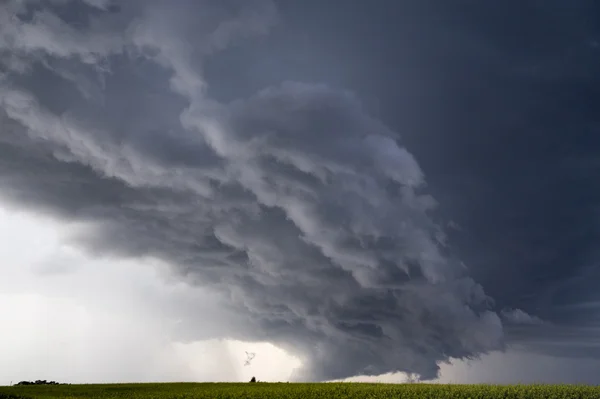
(304, 391)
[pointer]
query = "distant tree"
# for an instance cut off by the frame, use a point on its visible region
(253, 379)
(38, 382)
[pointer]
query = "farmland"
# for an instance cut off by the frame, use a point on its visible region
(305, 391)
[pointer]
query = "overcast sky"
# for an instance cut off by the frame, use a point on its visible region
(347, 190)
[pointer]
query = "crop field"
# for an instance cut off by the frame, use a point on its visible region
(305, 391)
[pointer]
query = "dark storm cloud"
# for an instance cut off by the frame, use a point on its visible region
(292, 200)
(498, 102)
(278, 198)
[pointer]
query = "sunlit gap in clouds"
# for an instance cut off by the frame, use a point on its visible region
(76, 319)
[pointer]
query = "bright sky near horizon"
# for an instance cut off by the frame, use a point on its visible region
(70, 318)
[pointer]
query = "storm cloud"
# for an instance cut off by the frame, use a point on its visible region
(303, 210)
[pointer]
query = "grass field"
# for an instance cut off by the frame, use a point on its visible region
(306, 391)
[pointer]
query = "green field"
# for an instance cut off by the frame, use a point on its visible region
(306, 391)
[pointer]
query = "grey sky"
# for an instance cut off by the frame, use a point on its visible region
(373, 188)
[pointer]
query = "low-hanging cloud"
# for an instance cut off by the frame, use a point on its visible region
(297, 205)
